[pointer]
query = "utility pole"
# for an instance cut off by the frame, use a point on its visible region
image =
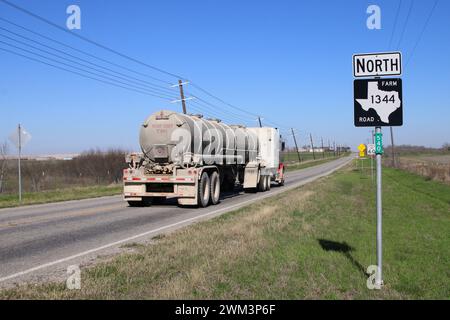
(183, 101)
(312, 146)
(329, 147)
(392, 148)
(259, 120)
(334, 148)
(296, 146)
(323, 150)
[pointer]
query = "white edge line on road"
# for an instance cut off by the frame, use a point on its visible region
(226, 209)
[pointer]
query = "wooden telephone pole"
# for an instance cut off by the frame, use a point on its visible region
(312, 146)
(183, 101)
(296, 146)
(393, 149)
(323, 150)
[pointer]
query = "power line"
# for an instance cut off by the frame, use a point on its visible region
(83, 70)
(112, 63)
(404, 25)
(254, 115)
(83, 52)
(207, 114)
(104, 47)
(422, 32)
(216, 107)
(395, 24)
(221, 100)
(95, 43)
(80, 74)
(212, 111)
(150, 88)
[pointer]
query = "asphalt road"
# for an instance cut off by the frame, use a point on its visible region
(39, 242)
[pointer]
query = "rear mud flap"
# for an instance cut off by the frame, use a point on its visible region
(250, 177)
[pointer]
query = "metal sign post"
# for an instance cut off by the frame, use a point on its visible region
(379, 152)
(19, 135)
(377, 103)
(20, 138)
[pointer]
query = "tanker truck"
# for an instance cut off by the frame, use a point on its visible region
(194, 159)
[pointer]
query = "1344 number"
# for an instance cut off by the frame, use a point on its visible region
(386, 99)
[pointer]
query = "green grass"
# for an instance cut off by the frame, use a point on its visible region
(307, 164)
(313, 242)
(305, 156)
(75, 193)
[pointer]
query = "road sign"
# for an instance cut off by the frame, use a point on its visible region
(371, 149)
(362, 149)
(22, 140)
(377, 64)
(19, 138)
(378, 102)
(378, 143)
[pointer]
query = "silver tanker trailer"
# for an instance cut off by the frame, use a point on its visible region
(192, 159)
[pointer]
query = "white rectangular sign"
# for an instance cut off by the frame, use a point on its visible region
(377, 64)
(370, 149)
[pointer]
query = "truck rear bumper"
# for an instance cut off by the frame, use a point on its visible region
(136, 188)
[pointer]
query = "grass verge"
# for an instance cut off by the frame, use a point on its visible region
(76, 193)
(307, 164)
(314, 242)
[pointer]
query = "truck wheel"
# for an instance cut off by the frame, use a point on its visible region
(204, 187)
(215, 188)
(135, 203)
(262, 185)
(268, 183)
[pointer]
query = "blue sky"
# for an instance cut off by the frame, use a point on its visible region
(287, 60)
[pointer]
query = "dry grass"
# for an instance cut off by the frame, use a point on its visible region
(436, 168)
(314, 242)
(179, 265)
(62, 194)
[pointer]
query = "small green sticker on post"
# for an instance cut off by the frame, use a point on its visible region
(378, 143)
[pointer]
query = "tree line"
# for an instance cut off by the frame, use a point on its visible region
(93, 167)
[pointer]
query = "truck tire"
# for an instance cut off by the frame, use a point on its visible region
(135, 203)
(204, 187)
(215, 188)
(268, 183)
(262, 184)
